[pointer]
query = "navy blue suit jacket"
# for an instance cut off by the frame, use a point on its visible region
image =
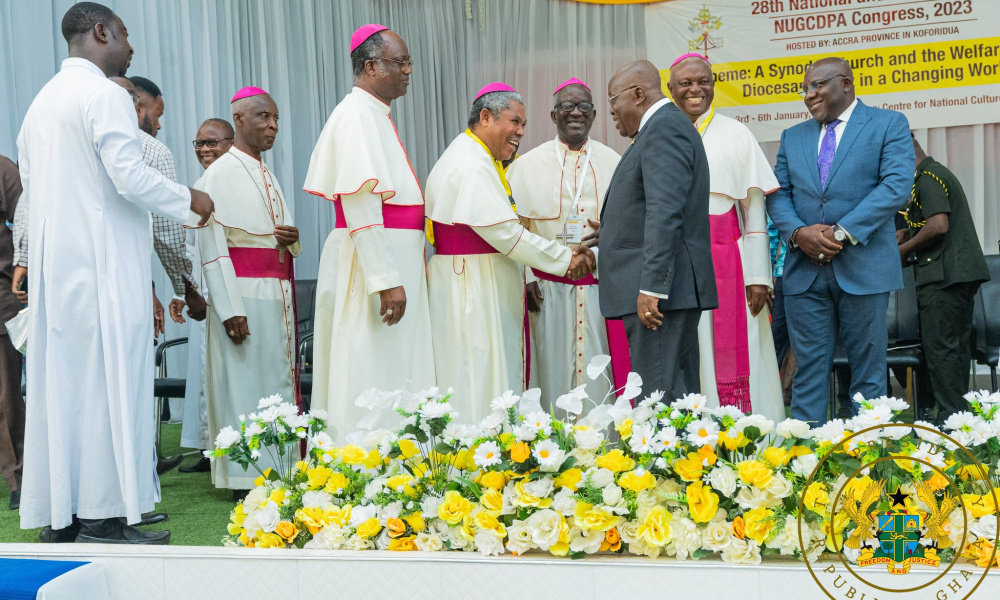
(869, 181)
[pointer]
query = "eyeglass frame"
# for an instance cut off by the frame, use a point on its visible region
(215, 141)
(814, 86)
(575, 105)
(611, 99)
(404, 64)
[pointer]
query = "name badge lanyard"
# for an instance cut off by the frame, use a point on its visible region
(573, 225)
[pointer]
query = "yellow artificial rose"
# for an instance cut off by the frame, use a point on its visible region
(570, 479)
(318, 476)
(759, 522)
(277, 496)
(302, 466)
(817, 498)
(462, 458)
(484, 520)
(589, 518)
(979, 506)
(655, 528)
(755, 473)
(707, 455)
(270, 540)
(612, 540)
(339, 515)
(615, 461)
(938, 481)
(408, 448)
(625, 429)
(835, 533)
(239, 514)
(525, 499)
(492, 501)
(416, 521)
(972, 472)
(287, 530)
(314, 519)
(370, 528)
(373, 460)
(777, 456)
(453, 508)
(732, 443)
(561, 548)
(702, 502)
(337, 482)
(798, 451)
(352, 454)
(492, 479)
(403, 544)
(397, 482)
(690, 468)
(637, 480)
(520, 452)
(396, 526)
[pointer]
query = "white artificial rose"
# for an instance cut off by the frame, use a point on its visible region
(315, 499)
(804, 465)
(519, 538)
(723, 479)
(599, 477)
(429, 542)
(585, 459)
(257, 498)
(382, 541)
(753, 497)
(779, 487)
(645, 501)
(984, 527)
(545, 526)
(539, 488)
(457, 540)
(268, 517)
(588, 439)
(716, 536)
(761, 422)
(331, 537)
(685, 537)
(489, 543)
(374, 438)
(429, 505)
(629, 531)
(360, 514)
(792, 428)
(611, 494)
(587, 542)
(787, 540)
(356, 542)
(742, 552)
(564, 502)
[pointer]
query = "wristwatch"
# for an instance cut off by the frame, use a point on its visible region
(839, 234)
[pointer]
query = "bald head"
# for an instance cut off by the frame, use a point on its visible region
(631, 91)
(256, 122)
(829, 87)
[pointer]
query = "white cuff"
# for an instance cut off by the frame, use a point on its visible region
(660, 296)
(181, 298)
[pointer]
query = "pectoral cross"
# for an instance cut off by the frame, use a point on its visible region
(564, 237)
(281, 255)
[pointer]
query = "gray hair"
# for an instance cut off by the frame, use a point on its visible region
(370, 49)
(493, 102)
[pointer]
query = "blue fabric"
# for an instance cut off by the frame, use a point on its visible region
(777, 249)
(20, 579)
(813, 319)
(869, 181)
(827, 148)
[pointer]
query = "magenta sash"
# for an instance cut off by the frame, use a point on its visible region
(451, 240)
(394, 216)
(729, 321)
(261, 262)
(621, 364)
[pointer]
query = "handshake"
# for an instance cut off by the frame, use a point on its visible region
(583, 263)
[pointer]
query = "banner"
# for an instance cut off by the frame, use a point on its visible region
(938, 62)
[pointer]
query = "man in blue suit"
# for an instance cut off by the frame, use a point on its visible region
(844, 175)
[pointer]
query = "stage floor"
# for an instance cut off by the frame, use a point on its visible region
(196, 573)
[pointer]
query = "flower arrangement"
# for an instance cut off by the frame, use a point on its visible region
(636, 475)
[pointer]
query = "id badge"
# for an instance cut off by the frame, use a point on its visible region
(574, 231)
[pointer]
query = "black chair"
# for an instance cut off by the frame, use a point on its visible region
(305, 304)
(165, 387)
(903, 326)
(986, 321)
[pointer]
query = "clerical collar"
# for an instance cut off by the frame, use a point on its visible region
(382, 106)
(243, 156)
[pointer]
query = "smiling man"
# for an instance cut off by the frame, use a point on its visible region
(843, 174)
(246, 253)
(372, 323)
(738, 364)
(476, 278)
(560, 187)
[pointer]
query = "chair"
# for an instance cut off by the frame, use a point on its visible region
(903, 326)
(986, 321)
(305, 305)
(165, 387)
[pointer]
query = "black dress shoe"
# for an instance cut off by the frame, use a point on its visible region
(67, 535)
(15, 500)
(240, 495)
(113, 531)
(151, 518)
(164, 465)
(202, 466)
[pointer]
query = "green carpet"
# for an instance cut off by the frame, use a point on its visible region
(198, 512)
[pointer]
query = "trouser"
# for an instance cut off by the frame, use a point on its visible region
(815, 319)
(11, 414)
(779, 326)
(946, 338)
(666, 359)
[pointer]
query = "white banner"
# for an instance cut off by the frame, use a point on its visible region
(937, 61)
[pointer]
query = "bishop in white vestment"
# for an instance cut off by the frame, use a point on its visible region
(559, 188)
(89, 447)
(247, 258)
(476, 278)
(374, 256)
(738, 362)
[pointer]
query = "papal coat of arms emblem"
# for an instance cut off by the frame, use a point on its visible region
(703, 26)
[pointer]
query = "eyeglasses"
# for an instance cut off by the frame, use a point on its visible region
(567, 106)
(612, 98)
(212, 144)
(814, 86)
(406, 64)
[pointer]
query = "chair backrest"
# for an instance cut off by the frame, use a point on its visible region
(986, 318)
(305, 304)
(907, 314)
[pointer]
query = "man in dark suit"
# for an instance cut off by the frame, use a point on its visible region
(11, 402)
(656, 258)
(843, 176)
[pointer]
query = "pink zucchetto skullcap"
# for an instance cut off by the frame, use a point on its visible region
(247, 92)
(570, 81)
(496, 86)
(364, 32)
(690, 55)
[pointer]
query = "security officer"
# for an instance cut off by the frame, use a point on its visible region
(941, 242)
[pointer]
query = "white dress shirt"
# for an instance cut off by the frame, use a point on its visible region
(642, 123)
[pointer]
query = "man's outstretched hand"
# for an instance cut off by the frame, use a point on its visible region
(582, 263)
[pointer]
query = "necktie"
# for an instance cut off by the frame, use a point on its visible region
(826, 151)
